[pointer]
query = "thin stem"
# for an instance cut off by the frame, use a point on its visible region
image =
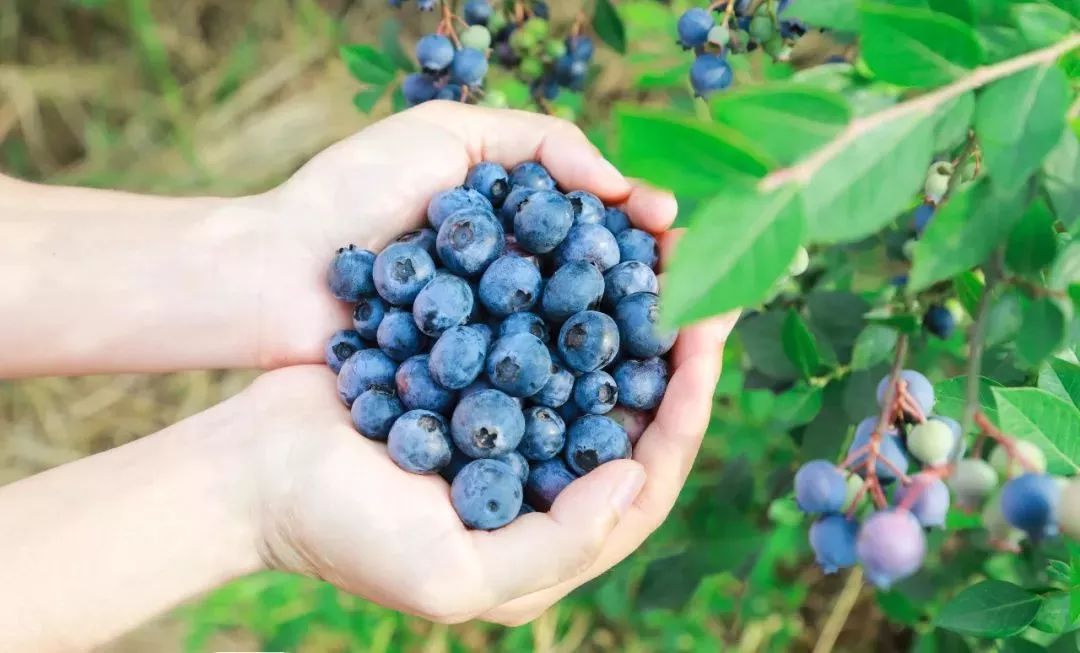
(995, 434)
(958, 166)
(977, 338)
(803, 172)
(845, 603)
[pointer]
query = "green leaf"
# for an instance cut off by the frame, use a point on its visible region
(1045, 420)
(787, 120)
(1061, 379)
(1066, 269)
(865, 186)
(390, 39)
(1033, 242)
(1001, 42)
(959, 9)
(368, 65)
(1019, 120)
(954, 122)
(917, 47)
(609, 26)
(670, 581)
(836, 318)
(874, 345)
(841, 15)
(1061, 178)
(800, 346)
(962, 234)
(1053, 616)
(969, 290)
(1005, 317)
(992, 608)
(951, 396)
(365, 100)
(1042, 330)
(761, 234)
(1041, 25)
(797, 406)
(759, 335)
(683, 155)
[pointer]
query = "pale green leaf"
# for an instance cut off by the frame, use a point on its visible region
(1045, 420)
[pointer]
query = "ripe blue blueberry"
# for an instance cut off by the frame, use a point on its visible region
(524, 322)
(588, 341)
(487, 424)
(519, 365)
(694, 26)
(509, 285)
(448, 202)
(419, 442)
(342, 344)
(513, 249)
(891, 450)
(490, 180)
(580, 47)
(891, 546)
(458, 460)
(401, 271)
(366, 369)
(918, 386)
(469, 67)
(616, 220)
(1030, 502)
(421, 237)
(637, 316)
(477, 12)
(574, 287)
(922, 216)
(641, 383)
(368, 315)
(588, 209)
(569, 72)
(486, 494)
(457, 357)
(417, 389)
(638, 245)
(569, 412)
(485, 332)
(589, 242)
(531, 175)
(820, 487)
(434, 52)
(375, 411)
(425, 5)
(399, 337)
(545, 434)
(452, 92)
(633, 421)
(833, 540)
(350, 273)
(939, 321)
(511, 205)
(627, 278)
(547, 480)
(931, 503)
(595, 392)
(469, 241)
(710, 73)
(418, 88)
(543, 220)
(517, 463)
(557, 390)
(593, 440)
(446, 301)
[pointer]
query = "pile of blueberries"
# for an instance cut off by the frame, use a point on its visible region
(751, 27)
(511, 347)
(890, 543)
(519, 39)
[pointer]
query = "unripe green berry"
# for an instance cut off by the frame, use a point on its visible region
(854, 486)
(476, 37)
(1069, 509)
(908, 249)
(495, 98)
(743, 38)
(555, 48)
(762, 28)
(931, 442)
(496, 22)
(937, 180)
(720, 35)
(997, 527)
(522, 41)
(538, 27)
(1028, 452)
(800, 262)
(972, 481)
(774, 46)
(531, 68)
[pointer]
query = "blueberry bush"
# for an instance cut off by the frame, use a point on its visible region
(890, 191)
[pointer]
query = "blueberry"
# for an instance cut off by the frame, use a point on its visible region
(710, 73)
(589, 242)
(588, 209)
(932, 442)
(637, 316)
(891, 546)
(446, 301)
(399, 337)
(931, 503)
(596, 392)
(891, 450)
(490, 180)
(401, 271)
(588, 341)
(959, 442)
(616, 220)
(1007, 466)
(509, 285)
(519, 365)
(569, 412)
(525, 509)
(543, 220)
(638, 245)
(457, 357)
(627, 278)
(342, 344)
(421, 237)
(452, 92)
(477, 12)
(531, 175)
(368, 315)
(350, 273)
(517, 463)
(918, 386)
(487, 424)
(510, 206)
(575, 287)
(417, 389)
(820, 487)
(939, 321)
(419, 442)
(434, 52)
(486, 494)
(1030, 502)
(641, 383)
(469, 67)
(469, 241)
(580, 47)
(477, 37)
(545, 434)
(513, 249)
(833, 540)
(458, 460)
(366, 369)
(482, 383)
(485, 333)
(633, 421)
(448, 202)
(425, 5)
(374, 412)
(546, 481)
(972, 482)
(922, 216)
(593, 440)
(694, 26)
(524, 322)
(418, 88)
(557, 390)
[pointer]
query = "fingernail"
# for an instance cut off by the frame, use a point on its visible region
(627, 490)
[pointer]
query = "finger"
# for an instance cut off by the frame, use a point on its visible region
(650, 209)
(510, 137)
(541, 550)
